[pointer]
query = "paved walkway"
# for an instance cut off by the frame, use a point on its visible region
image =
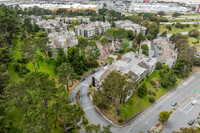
(103, 55)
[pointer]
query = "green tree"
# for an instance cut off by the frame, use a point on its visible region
(176, 14)
(164, 116)
(66, 74)
(153, 29)
(161, 13)
(104, 41)
(164, 34)
(193, 33)
(61, 57)
(82, 44)
(114, 90)
(75, 22)
(131, 35)
(125, 44)
(168, 77)
(142, 90)
(92, 54)
(9, 24)
(120, 34)
(43, 47)
(188, 130)
(139, 38)
(145, 49)
(75, 61)
(29, 49)
(110, 34)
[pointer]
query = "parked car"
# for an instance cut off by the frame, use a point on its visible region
(194, 102)
(174, 104)
(191, 122)
(82, 79)
(105, 64)
(93, 72)
(96, 70)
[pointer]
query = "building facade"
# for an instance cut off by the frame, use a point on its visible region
(89, 30)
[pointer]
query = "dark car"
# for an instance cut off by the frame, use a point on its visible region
(93, 72)
(191, 122)
(105, 64)
(82, 79)
(174, 104)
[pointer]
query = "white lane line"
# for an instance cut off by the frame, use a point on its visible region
(189, 110)
(84, 84)
(189, 103)
(189, 80)
(88, 108)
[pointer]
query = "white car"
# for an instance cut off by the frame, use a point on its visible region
(194, 102)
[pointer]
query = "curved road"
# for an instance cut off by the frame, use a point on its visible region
(184, 94)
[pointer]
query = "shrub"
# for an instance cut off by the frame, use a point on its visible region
(153, 82)
(120, 120)
(153, 93)
(151, 99)
(150, 92)
(85, 121)
(130, 49)
(195, 25)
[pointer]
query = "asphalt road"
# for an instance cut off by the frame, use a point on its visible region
(183, 94)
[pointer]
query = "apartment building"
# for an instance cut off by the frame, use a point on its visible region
(129, 25)
(68, 20)
(52, 26)
(91, 29)
(62, 39)
(133, 64)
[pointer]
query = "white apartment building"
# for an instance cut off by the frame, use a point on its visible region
(129, 25)
(133, 64)
(89, 30)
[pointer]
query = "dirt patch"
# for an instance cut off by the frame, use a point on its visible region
(110, 114)
(196, 69)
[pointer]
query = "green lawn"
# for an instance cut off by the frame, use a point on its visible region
(182, 20)
(136, 103)
(194, 42)
(176, 30)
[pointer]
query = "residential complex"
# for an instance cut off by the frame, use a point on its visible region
(133, 64)
(51, 26)
(63, 39)
(68, 20)
(58, 35)
(162, 49)
(129, 25)
(89, 30)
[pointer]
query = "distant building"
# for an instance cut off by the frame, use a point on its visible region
(63, 39)
(52, 26)
(129, 25)
(133, 64)
(68, 20)
(89, 30)
(165, 51)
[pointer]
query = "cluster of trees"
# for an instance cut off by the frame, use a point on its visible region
(186, 55)
(194, 33)
(37, 102)
(43, 107)
(81, 57)
(113, 91)
(179, 25)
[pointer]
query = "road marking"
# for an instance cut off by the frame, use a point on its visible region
(84, 84)
(189, 103)
(88, 108)
(189, 80)
(189, 110)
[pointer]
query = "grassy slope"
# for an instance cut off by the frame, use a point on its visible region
(176, 30)
(135, 104)
(191, 41)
